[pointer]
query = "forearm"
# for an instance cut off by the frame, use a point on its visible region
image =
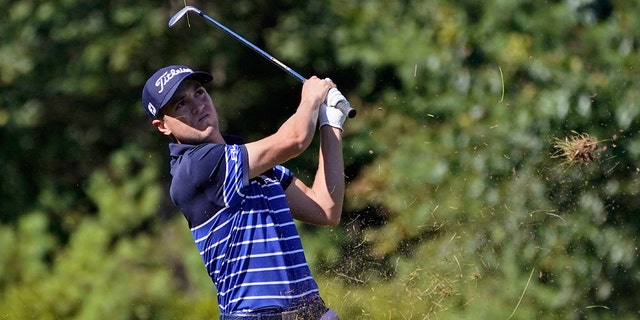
(328, 185)
(300, 127)
(294, 135)
(292, 138)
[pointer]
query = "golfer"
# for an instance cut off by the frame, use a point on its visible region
(240, 202)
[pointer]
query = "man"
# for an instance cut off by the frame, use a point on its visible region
(239, 201)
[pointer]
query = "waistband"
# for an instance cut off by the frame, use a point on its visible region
(308, 311)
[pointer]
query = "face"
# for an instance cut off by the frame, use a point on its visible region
(190, 117)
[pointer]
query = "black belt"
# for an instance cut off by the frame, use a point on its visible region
(307, 311)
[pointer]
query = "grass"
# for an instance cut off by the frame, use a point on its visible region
(579, 148)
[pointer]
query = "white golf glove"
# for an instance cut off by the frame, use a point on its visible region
(329, 114)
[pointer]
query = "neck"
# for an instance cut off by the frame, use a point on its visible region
(215, 138)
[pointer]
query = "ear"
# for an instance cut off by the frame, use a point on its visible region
(159, 124)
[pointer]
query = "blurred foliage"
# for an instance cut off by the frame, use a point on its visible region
(455, 206)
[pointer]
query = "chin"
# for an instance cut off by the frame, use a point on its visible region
(209, 132)
(210, 128)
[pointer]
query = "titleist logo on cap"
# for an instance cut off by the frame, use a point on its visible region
(167, 76)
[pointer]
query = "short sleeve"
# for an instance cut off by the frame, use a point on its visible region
(284, 175)
(209, 177)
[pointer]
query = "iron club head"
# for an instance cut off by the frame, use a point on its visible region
(176, 17)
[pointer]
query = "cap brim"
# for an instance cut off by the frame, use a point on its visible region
(199, 76)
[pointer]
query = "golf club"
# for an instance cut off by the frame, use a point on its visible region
(342, 105)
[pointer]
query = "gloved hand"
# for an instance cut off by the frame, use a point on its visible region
(331, 116)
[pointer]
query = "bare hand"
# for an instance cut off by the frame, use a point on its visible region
(315, 89)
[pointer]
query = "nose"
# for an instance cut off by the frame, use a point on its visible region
(196, 107)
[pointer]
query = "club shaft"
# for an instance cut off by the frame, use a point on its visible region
(344, 106)
(254, 47)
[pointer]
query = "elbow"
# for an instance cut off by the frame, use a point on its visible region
(332, 222)
(333, 216)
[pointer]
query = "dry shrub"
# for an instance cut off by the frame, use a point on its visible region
(580, 148)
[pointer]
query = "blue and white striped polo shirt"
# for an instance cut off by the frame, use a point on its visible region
(243, 228)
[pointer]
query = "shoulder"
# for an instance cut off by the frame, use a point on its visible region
(204, 161)
(191, 159)
(197, 152)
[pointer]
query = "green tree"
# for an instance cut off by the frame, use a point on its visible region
(456, 206)
(452, 157)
